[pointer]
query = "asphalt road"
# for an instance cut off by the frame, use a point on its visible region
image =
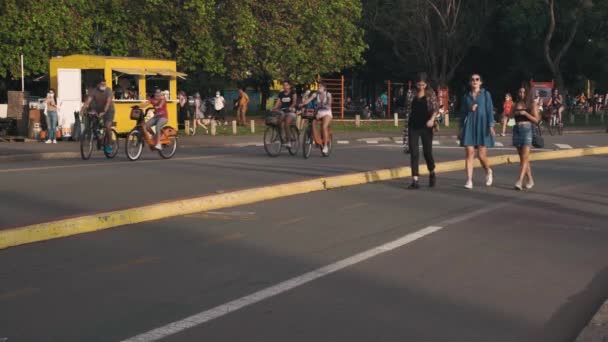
(48, 190)
(506, 265)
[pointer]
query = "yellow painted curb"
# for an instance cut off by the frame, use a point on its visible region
(90, 223)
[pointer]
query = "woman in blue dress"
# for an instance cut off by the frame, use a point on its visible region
(477, 128)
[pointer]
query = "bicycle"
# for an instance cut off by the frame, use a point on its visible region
(312, 135)
(139, 134)
(95, 132)
(273, 136)
(554, 124)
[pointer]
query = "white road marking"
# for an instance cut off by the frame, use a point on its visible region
(436, 142)
(259, 144)
(592, 146)
(237, 304)
(563, 146)
(499, 144)
(371, 141)
(343, 142)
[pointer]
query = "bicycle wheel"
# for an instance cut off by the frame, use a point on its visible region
(272, 141)
(551, 126)
(307, 142)
(86, 144)
(168, 150)
(113, 143)
(295, 143)
(134, 145)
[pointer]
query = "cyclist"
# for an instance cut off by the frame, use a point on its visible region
(161, 117)
(101, 100)
(285, 105)
(323, 103)
(557, 103)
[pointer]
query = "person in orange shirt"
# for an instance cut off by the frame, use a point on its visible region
(506, 112)
(241, 111)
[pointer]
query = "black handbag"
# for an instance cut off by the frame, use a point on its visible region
(537, 137)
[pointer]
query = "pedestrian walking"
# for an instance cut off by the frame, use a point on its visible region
(526, 115)
(199, 114)
(423, 111)
(219, 103)
(506, 113)
(52, 118)
(241, 111)
(477, 128)
(184, 111)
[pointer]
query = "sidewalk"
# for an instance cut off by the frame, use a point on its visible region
(32, 151)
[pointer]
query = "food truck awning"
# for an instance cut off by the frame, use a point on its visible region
(134, 71)
(167, 72)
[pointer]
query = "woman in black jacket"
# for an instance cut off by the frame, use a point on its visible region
(422, 106)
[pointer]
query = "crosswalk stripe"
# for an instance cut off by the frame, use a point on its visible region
(563, 146)
(499, 144)
(371, 141)
(436, 142)
(343, 142)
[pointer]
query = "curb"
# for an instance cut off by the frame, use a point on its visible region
(597, 329)
(40, 156)
(84, 224)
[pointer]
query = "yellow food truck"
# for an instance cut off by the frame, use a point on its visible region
(132, 80)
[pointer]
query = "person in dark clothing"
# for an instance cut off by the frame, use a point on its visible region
(423, 111)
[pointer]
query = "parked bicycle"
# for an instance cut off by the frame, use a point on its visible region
(94, 136)
(275, 138)
(140, 134)
(313, 135)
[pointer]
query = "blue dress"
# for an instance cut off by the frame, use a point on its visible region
(475, 126)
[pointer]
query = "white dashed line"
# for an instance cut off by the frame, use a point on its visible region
(343, 142)
(563, 146)
(371, 141)
(436, 142)
(592, 146)
(235, 305)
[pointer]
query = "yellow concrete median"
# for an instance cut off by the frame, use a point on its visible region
(89, 223)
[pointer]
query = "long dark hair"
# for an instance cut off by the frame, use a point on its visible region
(54, 95)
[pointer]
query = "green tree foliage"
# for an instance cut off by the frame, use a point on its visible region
(260, 39)
(274, 39)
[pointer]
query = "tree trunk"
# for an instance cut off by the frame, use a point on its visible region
(554, 62)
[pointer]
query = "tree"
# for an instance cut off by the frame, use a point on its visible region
(436, 34)
(570, 15)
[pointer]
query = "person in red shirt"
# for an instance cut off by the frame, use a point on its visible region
(161, 116)
(507, 106)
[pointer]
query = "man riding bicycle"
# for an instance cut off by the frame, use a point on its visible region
(101, 100)
(557, 103)
(285, 105)
(323, 103)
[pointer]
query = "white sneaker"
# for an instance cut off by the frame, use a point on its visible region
(530, 185)
(518, 186)
(158, 146)
(489, 177)
(54, 141)
(287, 144)
(48, 141)
(325, 149)
(468, 185)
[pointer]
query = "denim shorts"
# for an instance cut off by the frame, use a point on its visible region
(522, 134)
